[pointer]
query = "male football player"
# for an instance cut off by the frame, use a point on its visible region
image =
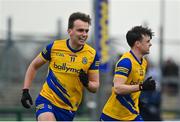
(128, 80)
(73, 65)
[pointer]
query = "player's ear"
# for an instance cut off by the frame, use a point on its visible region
(137, 43)
(69, 31)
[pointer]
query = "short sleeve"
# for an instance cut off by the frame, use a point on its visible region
(95, 64)
(123, 67)
(46, 52)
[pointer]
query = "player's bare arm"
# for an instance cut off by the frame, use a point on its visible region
(31, 71)
(121, 88)
(26, 99)
(93, 81)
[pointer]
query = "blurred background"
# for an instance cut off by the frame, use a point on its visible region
(28, 26)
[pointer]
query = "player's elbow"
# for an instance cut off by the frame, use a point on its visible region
(93, 88)
(118, 90)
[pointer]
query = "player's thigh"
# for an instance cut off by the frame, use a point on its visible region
(46, 116)
(44, 111)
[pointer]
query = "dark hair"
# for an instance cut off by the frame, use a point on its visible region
(78, 15)
(136, 33)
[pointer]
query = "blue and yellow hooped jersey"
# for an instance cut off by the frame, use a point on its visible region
(125, 107)
(63, 87)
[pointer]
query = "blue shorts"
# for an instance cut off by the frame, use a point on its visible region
(43, 105)
(105, 117)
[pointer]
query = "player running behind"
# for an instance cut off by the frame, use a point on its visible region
(128, 80)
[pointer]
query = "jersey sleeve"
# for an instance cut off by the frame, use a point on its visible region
(46, 52)
(95, 64)
(123, 67)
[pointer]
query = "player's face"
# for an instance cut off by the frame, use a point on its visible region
(145, 45)
(79, 32)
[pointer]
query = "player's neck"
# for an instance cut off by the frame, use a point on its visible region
(74, 46)
(137, 54)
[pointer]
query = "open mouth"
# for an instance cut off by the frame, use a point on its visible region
(82, 40)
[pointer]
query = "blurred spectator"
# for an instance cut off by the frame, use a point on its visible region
(170, 72)
(150, 101)
(170, 68)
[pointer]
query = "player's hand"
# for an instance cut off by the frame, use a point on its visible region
(83, 78)
(148, 84)
(26, 99)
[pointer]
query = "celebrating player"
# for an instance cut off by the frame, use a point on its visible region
(128, 79)
(73, 65)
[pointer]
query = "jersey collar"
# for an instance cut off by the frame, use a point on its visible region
(73, 50)
(140, 62)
